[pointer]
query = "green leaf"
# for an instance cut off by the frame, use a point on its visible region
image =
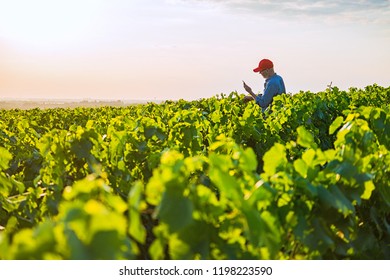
(384, 191)
(333, 197)
(347, 170)
(150, 131)
(305, 138)
(82, 147)
(308, 157)
(335, 124)
(136, 228)
(368, 188)
(227, 184)
(5, 157)
(322, 234)
(175, 210)
(191, 242)
(301, 167)
(274, 159)
(273, 232)
(105, 245)
(248, 160)
(255, 225)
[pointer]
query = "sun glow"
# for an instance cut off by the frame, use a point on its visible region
(44, 24)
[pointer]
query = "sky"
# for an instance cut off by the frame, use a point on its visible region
(187, 49)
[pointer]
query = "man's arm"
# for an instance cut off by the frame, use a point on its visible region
(249, 90)
(270, 91)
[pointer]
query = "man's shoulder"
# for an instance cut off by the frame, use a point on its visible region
(278, 77)
(277, 83)
(275, 78)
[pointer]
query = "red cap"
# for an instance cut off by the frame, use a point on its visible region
(264, 64)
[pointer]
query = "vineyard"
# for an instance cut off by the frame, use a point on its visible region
(209, 179)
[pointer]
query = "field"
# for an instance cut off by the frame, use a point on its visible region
(71, 104)
(209, 179)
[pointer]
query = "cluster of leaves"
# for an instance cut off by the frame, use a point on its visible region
(207, 179)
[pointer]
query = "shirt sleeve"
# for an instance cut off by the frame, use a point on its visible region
(269, 92)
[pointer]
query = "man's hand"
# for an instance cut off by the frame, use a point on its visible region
(247, 88)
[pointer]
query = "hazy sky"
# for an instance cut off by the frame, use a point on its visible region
(190, 49)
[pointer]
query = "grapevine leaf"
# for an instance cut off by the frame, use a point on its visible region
(301, 167)
(5, 157)
(136, 228)
(368, 188)
(175, 210)
(305, 138)
(335, 124)
(274, 159)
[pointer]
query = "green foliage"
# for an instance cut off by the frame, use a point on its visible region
(208, 179)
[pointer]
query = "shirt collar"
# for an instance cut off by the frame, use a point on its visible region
(266, 80)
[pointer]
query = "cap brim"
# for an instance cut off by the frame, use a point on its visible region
(256, 69)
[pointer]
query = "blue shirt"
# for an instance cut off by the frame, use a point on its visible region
(273, 86)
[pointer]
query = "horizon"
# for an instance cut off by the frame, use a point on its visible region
(91, 99)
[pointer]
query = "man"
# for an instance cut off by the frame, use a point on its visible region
(273, 85)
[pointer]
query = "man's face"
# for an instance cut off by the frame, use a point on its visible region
(264, 73)
(267, 73)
